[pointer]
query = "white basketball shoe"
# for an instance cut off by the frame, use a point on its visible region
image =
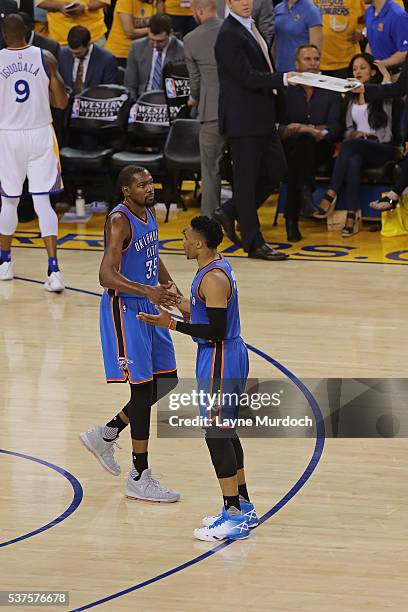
(54, 282)
(6, 271)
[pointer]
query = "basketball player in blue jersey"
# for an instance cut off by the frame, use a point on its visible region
(222, 364)
(133, 351)
(29, 81)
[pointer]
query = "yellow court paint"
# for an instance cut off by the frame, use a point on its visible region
(317, 244)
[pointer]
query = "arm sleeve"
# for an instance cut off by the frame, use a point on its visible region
(215, 330)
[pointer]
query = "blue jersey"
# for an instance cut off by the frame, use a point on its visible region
(198, 311)
(140, 258)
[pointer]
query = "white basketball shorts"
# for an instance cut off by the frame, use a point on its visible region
(33, 154)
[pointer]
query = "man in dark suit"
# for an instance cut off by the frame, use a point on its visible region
(7, 7)
(83, 64)
(147, 56)
(247, 118)
(37, 40)
(262, 13)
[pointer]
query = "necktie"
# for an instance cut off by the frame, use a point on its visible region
(263, 45)
(79, 79)
(157, 72)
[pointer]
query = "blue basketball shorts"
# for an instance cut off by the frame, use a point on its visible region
(221, 371)
(133, 350)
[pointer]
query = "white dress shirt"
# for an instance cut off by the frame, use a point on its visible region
(85, 65)
(247, 23)
(154, 57)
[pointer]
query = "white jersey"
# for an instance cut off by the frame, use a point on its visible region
(24, 89)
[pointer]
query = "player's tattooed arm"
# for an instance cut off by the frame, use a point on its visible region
(58, 94)
(118, 232)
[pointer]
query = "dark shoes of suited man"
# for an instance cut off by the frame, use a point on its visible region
(227, 223)
(267, 252)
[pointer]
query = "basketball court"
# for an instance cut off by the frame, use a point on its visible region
(334, 535)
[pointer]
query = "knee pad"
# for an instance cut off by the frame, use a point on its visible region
(138, 410)
(47, 217)
(222, 455)
(8, 215)
(163, 384)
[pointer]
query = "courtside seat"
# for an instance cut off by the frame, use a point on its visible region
(94, 159)
(98, 123)
(151, 161)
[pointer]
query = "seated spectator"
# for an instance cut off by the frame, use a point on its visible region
(37, 40)
(148, 56)
(83, 64)
(7, 7)
(297, 23)
(130, 22)
(310, 124)
(343, 24)
(387, 33)
(368, 141)
(181, 15)
(87, 13)
(262, 14)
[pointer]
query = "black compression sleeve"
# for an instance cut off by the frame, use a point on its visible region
(215, 330)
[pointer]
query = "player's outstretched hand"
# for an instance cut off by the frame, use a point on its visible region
(160, 320)
(162, 296)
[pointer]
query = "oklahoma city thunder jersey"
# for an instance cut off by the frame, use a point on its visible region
(198, 311)
(24, 89)
(140, 258)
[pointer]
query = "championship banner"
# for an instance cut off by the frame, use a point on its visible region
(100, 110)
(153, 114)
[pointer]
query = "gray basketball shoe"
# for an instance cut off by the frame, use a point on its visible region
(148, 489)
(103, 451)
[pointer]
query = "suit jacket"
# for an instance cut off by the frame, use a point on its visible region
(139, 63)
(6, 8)
(263, 15)
(246, 103)
(46, 43)
(102, 67)
(202, 67)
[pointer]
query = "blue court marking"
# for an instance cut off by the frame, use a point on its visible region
(311, 466)
(78, 495)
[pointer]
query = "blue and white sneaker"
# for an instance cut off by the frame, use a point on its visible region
(247, 509)
(231, 524)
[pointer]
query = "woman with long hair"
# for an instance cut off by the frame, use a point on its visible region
(368, 141)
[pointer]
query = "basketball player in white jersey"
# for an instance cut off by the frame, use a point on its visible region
(29, 82)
